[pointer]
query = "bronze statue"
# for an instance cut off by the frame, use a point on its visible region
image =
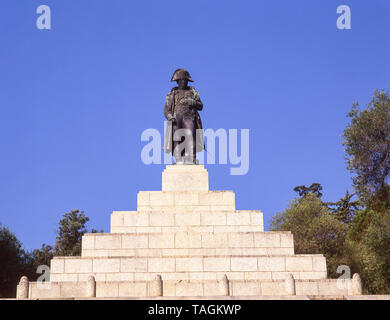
(184, 134)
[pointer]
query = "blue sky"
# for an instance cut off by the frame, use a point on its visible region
(75, 99)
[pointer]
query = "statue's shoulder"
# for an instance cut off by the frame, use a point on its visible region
(173, 90)
(195, 93)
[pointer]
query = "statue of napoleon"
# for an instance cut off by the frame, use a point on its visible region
(184, 134)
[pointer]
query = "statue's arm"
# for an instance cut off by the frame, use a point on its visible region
(167, 107)
(195, 102)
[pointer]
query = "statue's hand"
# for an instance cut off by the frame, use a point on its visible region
(188, 102)
(171, 118)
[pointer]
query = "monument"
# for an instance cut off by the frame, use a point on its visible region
(186, 240)
(184, 135)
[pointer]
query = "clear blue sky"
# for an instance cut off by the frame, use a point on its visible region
(74, 100)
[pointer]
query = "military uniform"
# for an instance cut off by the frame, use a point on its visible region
(183, 106)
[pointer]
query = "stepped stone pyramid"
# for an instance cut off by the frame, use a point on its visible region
(188, 241)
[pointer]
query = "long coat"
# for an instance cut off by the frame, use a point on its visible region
(169, 111)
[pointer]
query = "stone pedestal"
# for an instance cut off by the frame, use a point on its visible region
(187, 240)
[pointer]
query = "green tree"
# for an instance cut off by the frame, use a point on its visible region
(367, 147)
(14, 263)
(315, 188)
(345, 208)
(69, 234)
(42, 256)
(368, 241)
(316, 230)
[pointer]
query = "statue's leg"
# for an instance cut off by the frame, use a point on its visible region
(190, 151)
(176, 143)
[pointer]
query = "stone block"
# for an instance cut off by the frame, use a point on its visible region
(188, 240)
(312, 275)
(110, 241)
(52, 291)
(106, 265)
(117, 218)
(161, 265)
(57, 266)
(245, 288)
(279, 251)
(189, 264)
(257, 275)
(135, 219)
(88, 242)
(256, 217)
(232, 275)
(299, 263)
(259, 228)
(161, 199)
(243, 263)
(186, 198)
(143, 198)
(319, 263)
(286, 240)
(214, 240)
(329, 287)
(145, 276)
(202, 276)
(161, 219)
(216, 264)
(130, 241)
(173, 252)
(267, 239)
(269, 263)
(107, 289)
(217, 198)
(213, 219)
(78, 265)
(134, 265)
(192, 219)
(273, 288)
(226, 229)
(185, 178)
(241, 240)
(281, 275)
(132, 289)
(177, 276)
(63, 277)
(73, 290)
(254, 251)
(237, 218)
(164, 240)
(187, 288)
(306, 288)
(211, 288)
(169, 288)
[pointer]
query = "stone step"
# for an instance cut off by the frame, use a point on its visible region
(197, 288)
(234, 220)
(179, 267)
(189, 252)
(185, 276)
(211, 200)
(187, 240)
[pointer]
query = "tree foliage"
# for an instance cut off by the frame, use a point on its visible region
(315, 188)
(316, 230)
(367, 147)
(346, 208)
(368, 242)
(14, 262)
(70, 231)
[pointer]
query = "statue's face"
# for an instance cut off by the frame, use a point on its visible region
(182, 83)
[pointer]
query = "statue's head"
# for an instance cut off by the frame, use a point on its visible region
(181, 74)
